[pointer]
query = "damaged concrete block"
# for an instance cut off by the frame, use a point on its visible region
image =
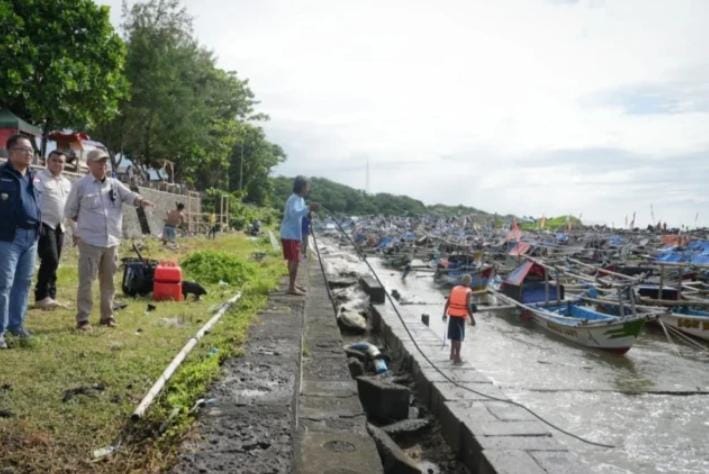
(356, 367)
(383, 400)
(393, 458)
(374, 290)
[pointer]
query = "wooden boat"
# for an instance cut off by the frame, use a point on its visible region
(693, 322)
(584, 324)
(450, 271)
(531, 289)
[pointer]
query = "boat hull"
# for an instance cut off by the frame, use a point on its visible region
(609, 334)
(693, 325)
(616, 337)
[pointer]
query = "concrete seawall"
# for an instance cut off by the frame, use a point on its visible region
(488, 436)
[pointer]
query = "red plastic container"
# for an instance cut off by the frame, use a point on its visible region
(167, 282)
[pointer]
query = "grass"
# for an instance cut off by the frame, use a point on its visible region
(108, 371)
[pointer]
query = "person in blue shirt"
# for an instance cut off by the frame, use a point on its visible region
(292, 229)
(19, 232)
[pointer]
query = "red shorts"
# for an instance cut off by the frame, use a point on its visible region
(291, 249)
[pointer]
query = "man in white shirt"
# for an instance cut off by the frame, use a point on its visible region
(95, 203)
(54, 189)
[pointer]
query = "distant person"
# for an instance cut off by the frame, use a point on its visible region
(95, 203)
(20, 218)
(458, 308)
(305, 230)
(292, 229)
(54, 190)
(175, 217)
(255, 229)
(213, 226)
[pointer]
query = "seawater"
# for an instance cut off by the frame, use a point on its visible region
(655, 428)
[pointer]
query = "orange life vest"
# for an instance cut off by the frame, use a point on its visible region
(458, 301)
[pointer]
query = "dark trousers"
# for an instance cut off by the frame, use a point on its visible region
(49, 249)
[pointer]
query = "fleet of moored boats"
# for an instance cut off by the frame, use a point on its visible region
(595, 287)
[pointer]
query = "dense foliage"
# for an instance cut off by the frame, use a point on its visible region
(62, 62)
(209, 267)
(552, 223)
(343, 199)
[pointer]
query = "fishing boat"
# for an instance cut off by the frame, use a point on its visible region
(586, 325)
(694, 322)
(450, 271)
(541, 299)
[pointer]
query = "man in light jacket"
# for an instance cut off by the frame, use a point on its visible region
(95, 203)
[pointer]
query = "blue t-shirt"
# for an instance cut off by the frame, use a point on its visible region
(293, 212)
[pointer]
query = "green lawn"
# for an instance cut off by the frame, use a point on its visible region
(44, 428)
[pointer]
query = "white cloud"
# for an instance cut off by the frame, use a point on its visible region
(495, 83)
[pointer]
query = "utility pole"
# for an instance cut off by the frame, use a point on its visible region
(366, 184)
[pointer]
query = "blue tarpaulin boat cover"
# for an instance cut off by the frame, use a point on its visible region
(696, 252)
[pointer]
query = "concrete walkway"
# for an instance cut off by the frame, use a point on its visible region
(288, 404)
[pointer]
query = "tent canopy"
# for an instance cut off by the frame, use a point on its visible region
(519, 274)
(10, 120)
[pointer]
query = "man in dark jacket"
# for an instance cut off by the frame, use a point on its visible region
(20, 218)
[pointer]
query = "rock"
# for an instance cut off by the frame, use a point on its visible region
(395, 460)
(356, 367)
(406, 426)
(341, 282)
(352, 321)
(383, 400)
(373, 289)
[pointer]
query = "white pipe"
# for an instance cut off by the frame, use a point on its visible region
(177, 360)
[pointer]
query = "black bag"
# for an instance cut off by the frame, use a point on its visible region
(138, 276)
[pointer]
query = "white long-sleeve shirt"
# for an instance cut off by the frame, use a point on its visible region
(97, 208)
(54, 191)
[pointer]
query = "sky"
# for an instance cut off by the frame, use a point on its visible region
(597, 108)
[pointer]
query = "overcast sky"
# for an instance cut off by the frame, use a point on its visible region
(529, 107)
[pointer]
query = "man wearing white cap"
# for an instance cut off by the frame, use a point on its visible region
(95, 203)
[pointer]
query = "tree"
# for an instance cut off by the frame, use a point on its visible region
(61, 62)
(252, 158)
(182, 107)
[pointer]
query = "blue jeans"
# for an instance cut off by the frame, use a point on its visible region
(16, 266)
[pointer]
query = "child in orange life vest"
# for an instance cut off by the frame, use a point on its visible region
(458, 308)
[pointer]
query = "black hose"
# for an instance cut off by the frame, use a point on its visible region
(413, 340)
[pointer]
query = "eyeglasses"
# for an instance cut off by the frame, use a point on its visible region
(26, 150)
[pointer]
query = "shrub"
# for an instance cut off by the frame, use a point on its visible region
(211, 267)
